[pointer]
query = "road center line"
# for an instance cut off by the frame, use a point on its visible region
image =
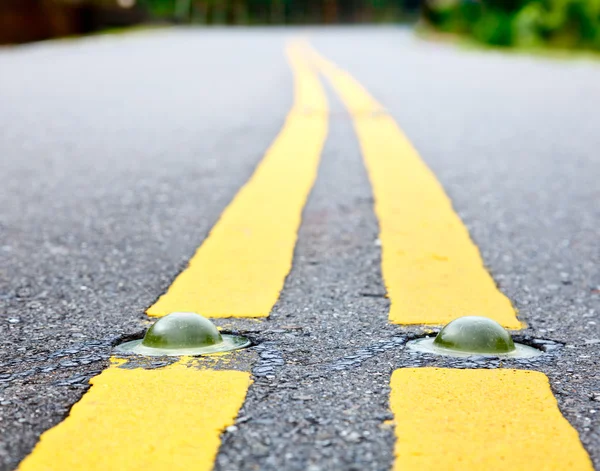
(241, 267)
(167, 418)
(432, 270)
(480, 420)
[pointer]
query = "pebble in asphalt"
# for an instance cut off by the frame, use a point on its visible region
(112, 181)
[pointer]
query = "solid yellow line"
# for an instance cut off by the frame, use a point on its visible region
(480, 420)
(241, 267)
(432, 270)
(162, 419)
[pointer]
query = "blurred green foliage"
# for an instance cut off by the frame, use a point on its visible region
(524, 23)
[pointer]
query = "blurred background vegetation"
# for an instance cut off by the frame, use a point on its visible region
(28, 20)
(518, 23)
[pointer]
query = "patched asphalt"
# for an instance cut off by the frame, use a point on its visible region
(120, 152)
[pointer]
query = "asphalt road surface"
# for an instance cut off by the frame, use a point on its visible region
(119, 153)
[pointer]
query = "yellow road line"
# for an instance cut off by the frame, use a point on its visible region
(241, 267)
(432, 270)
(163, 419)
(171, 418)
(480, 420)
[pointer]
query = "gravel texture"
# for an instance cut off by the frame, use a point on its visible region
(118, 162)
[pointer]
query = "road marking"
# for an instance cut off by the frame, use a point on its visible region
(167, 418)
(172, 417)
(480, 420)
(241, 267)
(432, 270)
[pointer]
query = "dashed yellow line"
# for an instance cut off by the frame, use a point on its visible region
(432, 270)
(162, 419)
(241, 267)
(476, 420)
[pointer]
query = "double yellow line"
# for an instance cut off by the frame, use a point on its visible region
(171, 418)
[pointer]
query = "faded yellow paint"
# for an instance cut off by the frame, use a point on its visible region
(476, 420)
(432, 270)
(241, 267)
(162, 419)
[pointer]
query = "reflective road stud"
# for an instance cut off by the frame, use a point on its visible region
(476, 335)
(432, 270)
(182, 330)
(183, 333)
(161, 419)
(473, 335)
(241, 267)
(475, 420)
